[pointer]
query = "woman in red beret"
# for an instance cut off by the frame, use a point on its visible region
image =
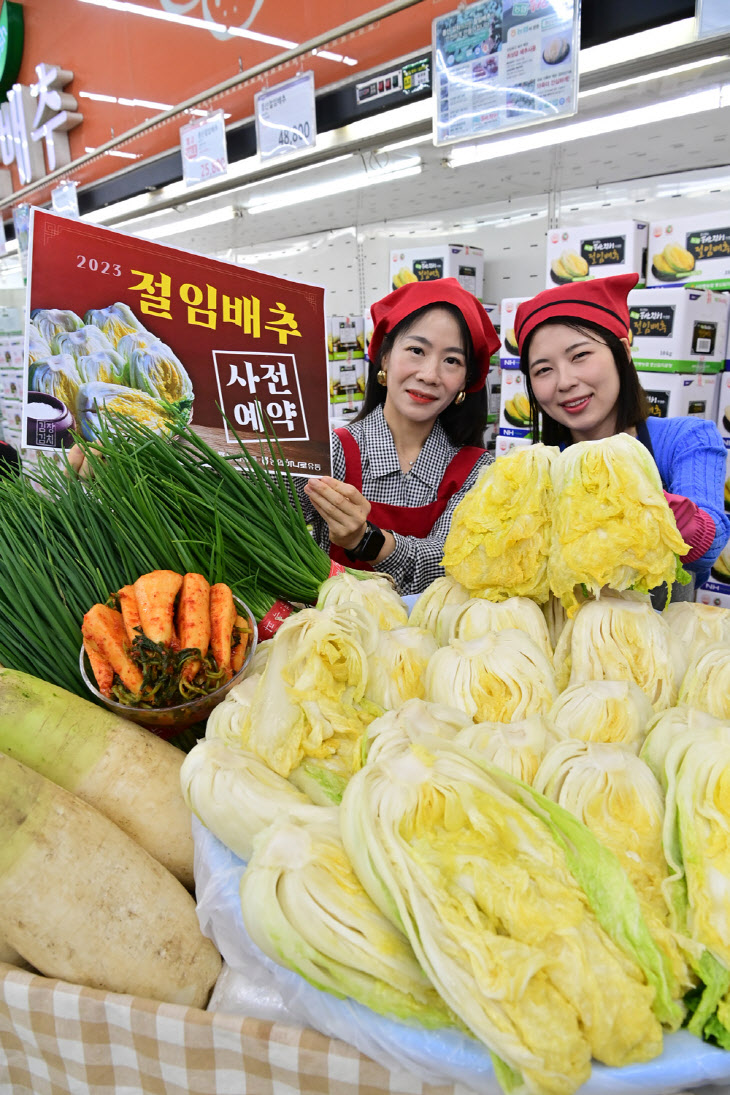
(416, 447)
(576, 357)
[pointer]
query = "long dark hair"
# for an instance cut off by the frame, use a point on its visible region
(632, 406)
(465, 422)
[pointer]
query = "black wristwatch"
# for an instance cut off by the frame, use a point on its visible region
(369, 547)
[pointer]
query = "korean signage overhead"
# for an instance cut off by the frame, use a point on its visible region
(500, 64)
(285, 118)
(203, 148)
(138, 327)
(713, 17)
(34, 124)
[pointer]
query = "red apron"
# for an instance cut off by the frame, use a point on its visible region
(407, 520)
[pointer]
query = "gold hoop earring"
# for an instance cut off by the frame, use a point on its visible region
(460, 398)
(382, 378)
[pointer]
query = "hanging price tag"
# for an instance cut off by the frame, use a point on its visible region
(285, 117)
(203, 148)
(64, 199)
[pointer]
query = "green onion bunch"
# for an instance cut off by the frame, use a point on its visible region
(148, 503)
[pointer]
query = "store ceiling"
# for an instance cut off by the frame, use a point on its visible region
(677, 145)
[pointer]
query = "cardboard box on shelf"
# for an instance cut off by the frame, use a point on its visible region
(506, 442)
(596, 251)
(723, 408)
(440, 260)
(11, 383)
(346, 354)
(514, 406)
(679, 330)
(690, 251)
(509, 355)
(673, 394)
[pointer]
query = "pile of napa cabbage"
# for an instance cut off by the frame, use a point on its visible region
(459, 821)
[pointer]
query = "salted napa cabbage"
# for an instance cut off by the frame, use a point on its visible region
(105, 365)
(706, 684)
(227, 721)
(236, 795)
(38, 348)
(130, 343)
(57, 375)
(618, 798)
(502, 896)
(84, 341)
(50, 322)
(668, 725)
(697, 838)
(97, 397)
(397, 666)
(304, 907)
(310, 699)
(499, 539)
(617, 640)
(155, 369)
(602, 711)
(517, 747)
(612, 525)
(478, 616)
(115, 321)
(437, 605)
(377, 595)
(414, 719)
(694, 625)
(501, 677)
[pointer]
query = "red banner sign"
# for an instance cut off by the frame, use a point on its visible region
(138, 327)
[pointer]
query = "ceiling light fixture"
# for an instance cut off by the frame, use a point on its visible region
(209, 25)
(116, 152)
(205, 220)
(647, 77)
(696, 103)
(268, 203)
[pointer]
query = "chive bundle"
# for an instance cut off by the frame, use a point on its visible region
(149, 504)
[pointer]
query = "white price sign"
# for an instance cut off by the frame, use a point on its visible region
(285, 117)
(203, 148)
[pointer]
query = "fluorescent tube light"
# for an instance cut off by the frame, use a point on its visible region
(647, 77)
(216, 216)
(710, 99)
(266, 204)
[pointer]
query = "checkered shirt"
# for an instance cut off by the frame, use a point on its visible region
(414, 563)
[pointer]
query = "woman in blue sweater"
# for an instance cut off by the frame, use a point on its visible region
(582, 385)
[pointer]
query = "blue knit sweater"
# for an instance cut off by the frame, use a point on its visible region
(692, 461)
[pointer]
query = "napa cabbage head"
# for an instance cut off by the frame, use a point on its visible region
(499, 538)
(663, 728)
(57, 375)
(525, 924)
(602, 711)
(437, 605)
(616, 639)
(304, 907)
(310, 700)
(612, 525)
(51, 322)
(115, 321)
(412, 720)
(706, 684)
(517, 747)
(477, 616)
(501, 677)
(397, 666)
(693, 626)
(377, 595)
(235, 795)
(618, 798)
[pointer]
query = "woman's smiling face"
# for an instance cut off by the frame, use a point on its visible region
(426, 367)
(574, 378)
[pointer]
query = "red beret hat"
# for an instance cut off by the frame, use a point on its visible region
(601, 300)
(389, 311)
